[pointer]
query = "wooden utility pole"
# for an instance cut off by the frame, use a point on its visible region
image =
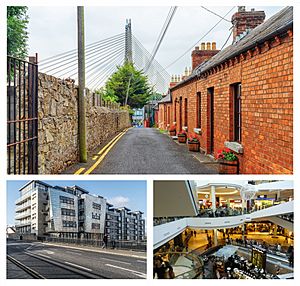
(81, 86)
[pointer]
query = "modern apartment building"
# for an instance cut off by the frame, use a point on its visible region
(124, 224)
(71, 212)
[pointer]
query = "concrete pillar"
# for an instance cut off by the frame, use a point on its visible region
(213, 198)
(243, 231)
(244, 205)
(215, 237)
(275, 230)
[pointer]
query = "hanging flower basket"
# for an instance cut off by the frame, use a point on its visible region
(228, 162)
(193, 144)
(182, 137)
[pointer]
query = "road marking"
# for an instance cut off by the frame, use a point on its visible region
(95, 157)
(74, 252)
(117, 261)
(141, 261)
(137, 273)
(79, 266)
(110, 142)
(79, 171)
(91, 169)
(97, 250)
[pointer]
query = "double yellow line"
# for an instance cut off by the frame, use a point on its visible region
(102, 153)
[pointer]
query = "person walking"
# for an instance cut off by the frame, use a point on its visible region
(105, 240)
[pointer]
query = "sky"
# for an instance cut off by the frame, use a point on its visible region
(52, 30)
(131, 194)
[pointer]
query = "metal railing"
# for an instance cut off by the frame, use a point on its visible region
(185, 265)
(22, 117)
(118, 244)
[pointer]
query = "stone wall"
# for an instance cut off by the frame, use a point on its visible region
(58, 124)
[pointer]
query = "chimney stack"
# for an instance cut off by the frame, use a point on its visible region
(207, 51)
(246, 20)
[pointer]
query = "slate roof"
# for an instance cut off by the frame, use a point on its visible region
(280, 22)
(166, 99)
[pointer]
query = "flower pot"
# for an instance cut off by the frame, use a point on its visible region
(228, 167)
(172, 132)
(194, 146)
(181, 138)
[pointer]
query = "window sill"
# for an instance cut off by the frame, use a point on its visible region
(198, 131)
(235, 146)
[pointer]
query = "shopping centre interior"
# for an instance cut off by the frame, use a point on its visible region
(223, 229)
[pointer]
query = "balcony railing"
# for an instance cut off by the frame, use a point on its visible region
(23, 223)
(185, 265)
(23, 215)
(23, 198)
(23, 206)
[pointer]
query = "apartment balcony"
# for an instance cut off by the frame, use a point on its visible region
(23, 207)
(23, 199)
(23, 215)
(49, 229)
(22, 223)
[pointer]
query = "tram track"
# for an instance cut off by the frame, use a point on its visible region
(43, 267)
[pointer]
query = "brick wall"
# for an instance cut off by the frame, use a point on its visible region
(266, 76)
(243, 20)
(165, 115)
(58, 124)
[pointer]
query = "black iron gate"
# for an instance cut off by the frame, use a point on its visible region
(22, 116)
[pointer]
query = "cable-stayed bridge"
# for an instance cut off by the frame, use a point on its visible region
(102, 59)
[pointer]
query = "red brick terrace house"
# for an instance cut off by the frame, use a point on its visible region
(241, 97)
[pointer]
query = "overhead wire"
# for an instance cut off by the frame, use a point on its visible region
(199, 39)
(215, 14)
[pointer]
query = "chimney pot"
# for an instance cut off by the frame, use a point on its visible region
(243, 19)
(208, 46)
(213, 46)
(197, 48)
(202, 46)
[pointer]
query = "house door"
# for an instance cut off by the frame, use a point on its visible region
(180, 114)
(210, 112)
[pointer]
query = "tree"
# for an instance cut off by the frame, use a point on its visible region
(128, 79)
(17, 35)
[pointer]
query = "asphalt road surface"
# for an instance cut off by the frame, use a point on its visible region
(51, 261)
(147, 151)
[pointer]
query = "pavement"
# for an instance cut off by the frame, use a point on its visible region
(147, 151)
(57, 261)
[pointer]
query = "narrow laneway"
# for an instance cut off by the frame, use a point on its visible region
(147, 151)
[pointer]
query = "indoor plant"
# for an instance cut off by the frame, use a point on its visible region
(193, 143)
(228, 162)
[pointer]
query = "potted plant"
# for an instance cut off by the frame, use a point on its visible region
(193, 143)
(182, 137)
(172, 130)
(228, 162)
